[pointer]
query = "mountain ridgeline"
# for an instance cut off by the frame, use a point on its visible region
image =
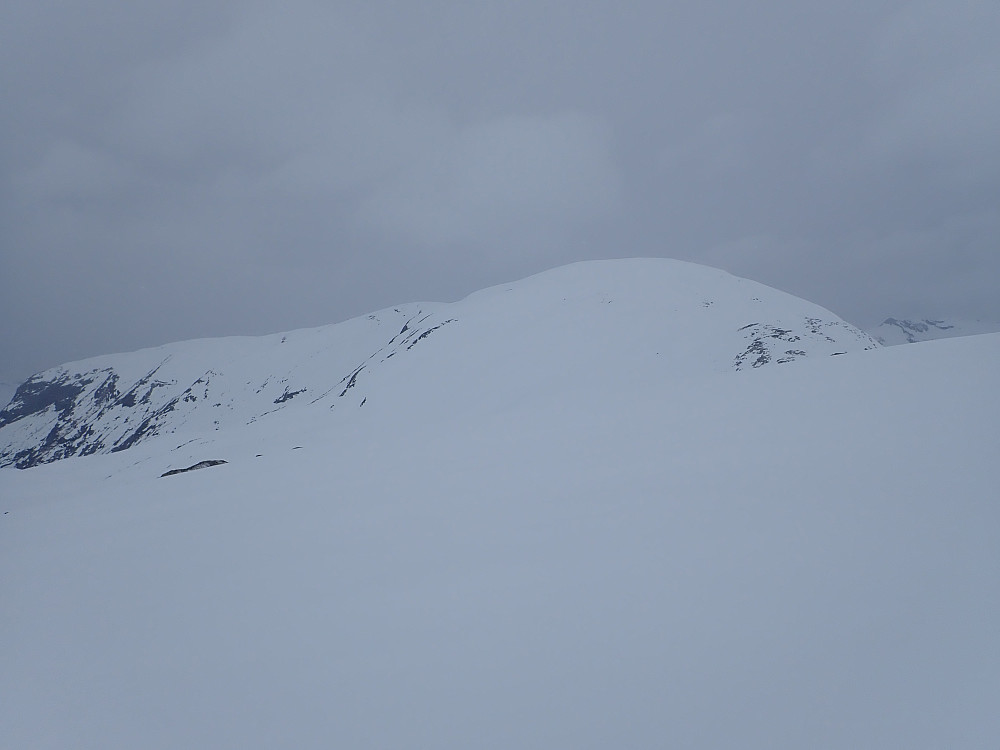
(669, 318)
(894, 331)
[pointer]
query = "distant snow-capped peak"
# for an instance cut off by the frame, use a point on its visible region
(892, 331)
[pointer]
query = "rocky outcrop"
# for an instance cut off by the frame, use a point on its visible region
(195, 467)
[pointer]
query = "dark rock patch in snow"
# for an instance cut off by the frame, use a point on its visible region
(288, 395)
(199, 465)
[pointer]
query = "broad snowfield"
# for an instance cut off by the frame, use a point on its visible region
(797, 556)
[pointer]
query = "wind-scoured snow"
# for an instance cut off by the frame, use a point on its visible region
(628, 551)
(680, 319)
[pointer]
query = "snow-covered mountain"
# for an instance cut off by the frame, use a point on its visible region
(639, 548)
(676, 319)
(891, 331)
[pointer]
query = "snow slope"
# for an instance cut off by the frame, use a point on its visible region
(620, 556)
(679, 319)
(892, 331)
(6, 392)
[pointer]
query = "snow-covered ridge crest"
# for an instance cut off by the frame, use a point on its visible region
(580, 325)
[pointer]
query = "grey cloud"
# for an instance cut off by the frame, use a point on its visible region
(492, 180)
(177, 170)
(935, 65)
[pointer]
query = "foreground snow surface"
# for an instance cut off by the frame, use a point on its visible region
(795, 557)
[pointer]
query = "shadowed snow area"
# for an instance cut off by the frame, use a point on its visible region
(642, 548)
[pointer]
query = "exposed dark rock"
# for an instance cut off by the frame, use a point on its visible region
(288, 395)
(36, 395)
(352, 381)
(765, 340)
(199, 465)
(107, 392)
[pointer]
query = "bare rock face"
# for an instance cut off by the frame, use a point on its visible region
(557, 329)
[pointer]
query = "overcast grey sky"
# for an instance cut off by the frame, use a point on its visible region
(187, 169)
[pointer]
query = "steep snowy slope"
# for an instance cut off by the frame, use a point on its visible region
(892, 331)
(792, 557)
(681, 319)
(6, 392)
